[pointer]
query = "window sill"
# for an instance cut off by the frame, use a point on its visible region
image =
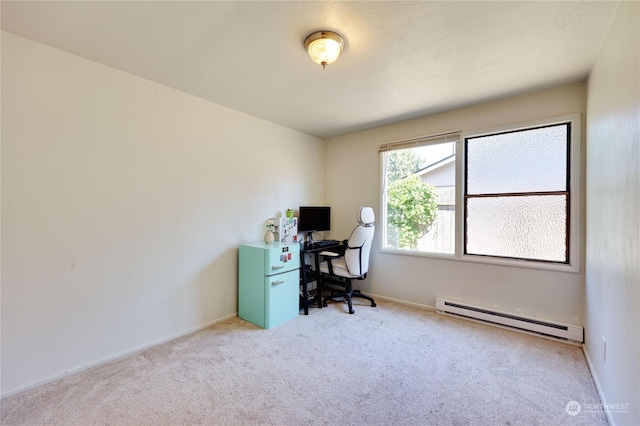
(528, 264)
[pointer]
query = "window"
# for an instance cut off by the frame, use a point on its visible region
(420, 183)
(517, 194)
(508, 195)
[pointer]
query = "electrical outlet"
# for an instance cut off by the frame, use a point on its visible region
(604, 349)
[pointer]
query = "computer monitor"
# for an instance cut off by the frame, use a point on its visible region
(314, 219)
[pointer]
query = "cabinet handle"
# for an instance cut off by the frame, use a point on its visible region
(277, 282)
(276, 267)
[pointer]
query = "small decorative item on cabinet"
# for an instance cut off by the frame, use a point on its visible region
(268, 237)
(289, 213)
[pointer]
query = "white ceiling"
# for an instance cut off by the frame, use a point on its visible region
(402, 59)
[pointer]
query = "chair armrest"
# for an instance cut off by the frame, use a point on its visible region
(330, 255)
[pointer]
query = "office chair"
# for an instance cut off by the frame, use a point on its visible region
(342, 268)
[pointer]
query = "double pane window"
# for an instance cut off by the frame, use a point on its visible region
(517, 194)
(507, 196)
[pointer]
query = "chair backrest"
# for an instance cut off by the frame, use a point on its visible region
(359, 245)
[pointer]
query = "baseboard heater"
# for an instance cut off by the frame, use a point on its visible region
(544, 328)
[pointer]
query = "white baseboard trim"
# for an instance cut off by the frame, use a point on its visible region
(137, 349)
(594, 376)
(403, 302)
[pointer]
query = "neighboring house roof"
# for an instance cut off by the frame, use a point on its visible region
(433, 166)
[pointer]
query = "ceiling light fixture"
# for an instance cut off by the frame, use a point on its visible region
(324, 47)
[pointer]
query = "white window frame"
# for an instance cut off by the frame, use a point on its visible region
(451, 136)
(575, 212)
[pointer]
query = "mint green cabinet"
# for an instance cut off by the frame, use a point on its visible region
(269, 281)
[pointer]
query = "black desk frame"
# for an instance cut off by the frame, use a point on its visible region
(307, 277)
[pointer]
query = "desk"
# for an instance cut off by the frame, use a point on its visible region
(310, 275)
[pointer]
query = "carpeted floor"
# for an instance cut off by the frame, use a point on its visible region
(390, 365)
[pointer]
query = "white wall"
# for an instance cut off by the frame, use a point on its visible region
(352, 180)
(613, 219)
(123, 204)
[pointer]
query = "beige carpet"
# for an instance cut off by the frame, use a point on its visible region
(390, 365)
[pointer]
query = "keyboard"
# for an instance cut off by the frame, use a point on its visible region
(325, 243)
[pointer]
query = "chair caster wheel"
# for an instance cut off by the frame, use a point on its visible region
(352, 312)
(324, 304)
(373, 305)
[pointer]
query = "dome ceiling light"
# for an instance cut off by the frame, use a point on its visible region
(324, 47)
